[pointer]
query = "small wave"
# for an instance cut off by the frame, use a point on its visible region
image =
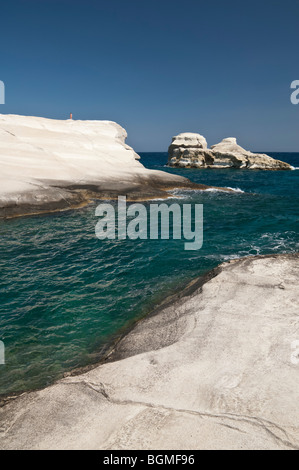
(236, 190)
(163, 198)
(189, 193)
(230, 257)
(295, 167)
(215, 190)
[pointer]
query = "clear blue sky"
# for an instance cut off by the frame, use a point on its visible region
(221, 68)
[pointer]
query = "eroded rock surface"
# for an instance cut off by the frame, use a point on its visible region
(49, 164)
(189, 150)
(214, 368)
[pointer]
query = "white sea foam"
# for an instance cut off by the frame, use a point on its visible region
(236, 190)
(229, 257)
(164, 198)
(188, 193)
(295, 167)
(213, 190)
(216, 190)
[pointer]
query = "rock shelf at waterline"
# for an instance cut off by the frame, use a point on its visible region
(49, 165)
(204, 371)
(190, 150)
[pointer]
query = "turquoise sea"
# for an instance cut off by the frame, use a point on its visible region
(65, 295)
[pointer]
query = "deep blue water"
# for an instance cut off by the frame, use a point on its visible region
(65, 294)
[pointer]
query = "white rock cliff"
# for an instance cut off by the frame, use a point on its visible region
(49, 164)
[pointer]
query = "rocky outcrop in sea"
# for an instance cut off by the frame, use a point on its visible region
(190, 150)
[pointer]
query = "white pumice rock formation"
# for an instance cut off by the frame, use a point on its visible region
(190, 150)
(49, 164)
(214, 368)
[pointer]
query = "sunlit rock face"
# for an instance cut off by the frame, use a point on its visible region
(190, 150)
(214, 368)
(49, 164)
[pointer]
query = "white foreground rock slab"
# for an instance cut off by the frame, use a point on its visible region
(212, 369)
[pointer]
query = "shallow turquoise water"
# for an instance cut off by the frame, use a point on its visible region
(65, 294)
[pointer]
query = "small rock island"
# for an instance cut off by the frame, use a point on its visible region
(190, 150)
